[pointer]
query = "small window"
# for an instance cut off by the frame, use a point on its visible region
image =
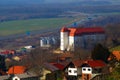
(84, 69)
(69, 71)
(75, 71)
(89, 69)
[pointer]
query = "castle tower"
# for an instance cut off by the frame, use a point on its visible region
(64, 38)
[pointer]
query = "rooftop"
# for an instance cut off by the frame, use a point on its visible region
(81, 31)
(16, 70)
(116, 54)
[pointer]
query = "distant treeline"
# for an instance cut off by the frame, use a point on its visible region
(104, 20)
(47, 11)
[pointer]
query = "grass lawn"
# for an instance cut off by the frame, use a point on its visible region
(21, 26)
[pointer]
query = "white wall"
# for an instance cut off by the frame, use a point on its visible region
(71, 43)
(64, 40)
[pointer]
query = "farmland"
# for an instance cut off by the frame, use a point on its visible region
(21, 26)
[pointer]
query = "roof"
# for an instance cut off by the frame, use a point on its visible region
(21, 76)
(5, 52)
(116, 54)
(58, 65)
(85, 65)
(50, 67)
(64, 29)
(78, 63)
(91, 63)
(16, 70)
(81, 31)
(96, 63)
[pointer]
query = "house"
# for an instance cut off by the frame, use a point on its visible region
(50, 69)
(71, 38)
(86, 72)
(48, 41)
(8, 52)
(58, 65)
(24, 76)
(98, 66)
(16, 70)
(73, 64)
(19, 73)
(116, 54)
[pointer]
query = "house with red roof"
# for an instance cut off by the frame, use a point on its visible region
(16, 70)
(116, 53)
(97, 66)
(51, 68)
(19, 73)
(70, 38)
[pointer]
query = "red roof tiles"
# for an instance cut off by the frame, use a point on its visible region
(80, 31)
(96, 63)
(16, 70)
(91, 63)
(64, 29)
(58, 65)
(116, 54)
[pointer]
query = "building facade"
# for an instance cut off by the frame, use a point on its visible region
(71, 38)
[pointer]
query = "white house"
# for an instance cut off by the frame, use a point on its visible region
(80, 37)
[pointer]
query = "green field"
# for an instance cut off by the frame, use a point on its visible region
(21, 26)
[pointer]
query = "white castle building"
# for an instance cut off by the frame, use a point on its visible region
(80, 37)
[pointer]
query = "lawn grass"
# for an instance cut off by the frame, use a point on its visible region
(21, 26)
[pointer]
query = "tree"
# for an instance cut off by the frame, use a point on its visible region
(113, 37)
(100, 53)
(81, 53)
(115, 75)
(2, 63)
(36, 59)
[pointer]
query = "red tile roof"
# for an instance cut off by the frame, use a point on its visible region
(91, 63)
(80, 31)
(96, 63)
(58, 65)
(5, 52)
(50, 67)
(16, 70)
(116, 54)
(78, 63)
(64, 29)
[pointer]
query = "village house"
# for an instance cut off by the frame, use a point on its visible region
(16, 70)
(97, 66)
(116, 53)
(24, 76)
(70, 38)
(19, 73)
(51, 68)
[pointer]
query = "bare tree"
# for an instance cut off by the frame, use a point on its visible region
(81, 53)
(37, 58)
